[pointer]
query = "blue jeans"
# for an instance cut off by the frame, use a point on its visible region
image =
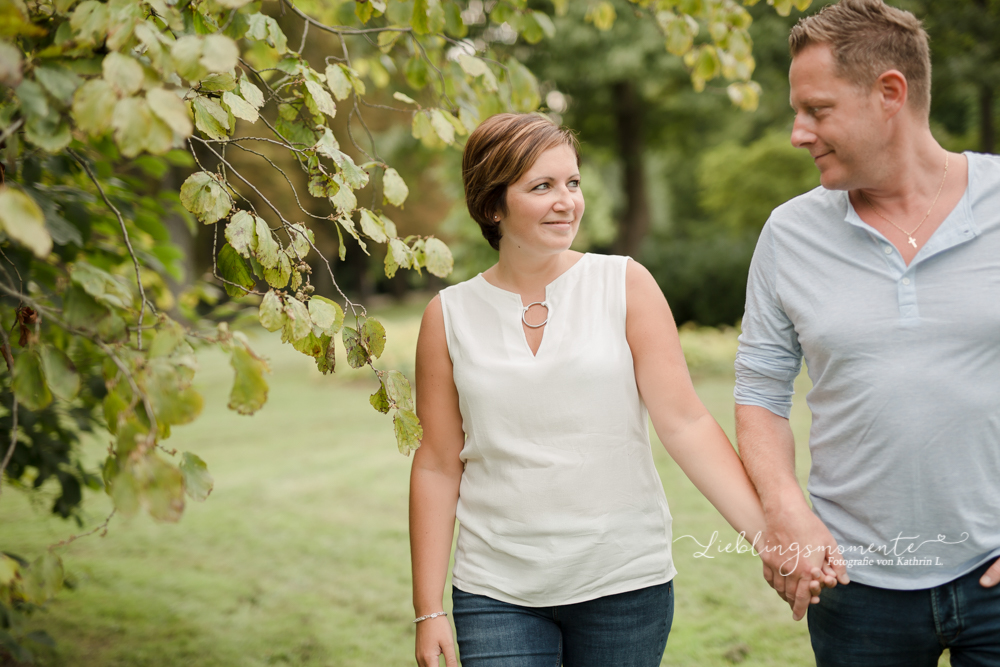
(624, 630)
(863, 626)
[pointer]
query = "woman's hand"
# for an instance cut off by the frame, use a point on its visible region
(433, 640)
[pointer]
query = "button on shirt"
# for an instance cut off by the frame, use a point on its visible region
(905, 365)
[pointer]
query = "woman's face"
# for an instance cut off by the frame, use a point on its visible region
(545, 205)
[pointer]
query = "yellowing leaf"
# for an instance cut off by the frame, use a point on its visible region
(373, 336)
(202, 195)
(272, 313)
(60, 373)
(277, 275)
(249, 386)
(166, 105)
(337, 81)
(408, 431)
(357, 355)
(394, 188)
(93, 105)
(380, 399)
(444, 129)
(438, 257)
(398, 389)
(198, 482)
(23, 221)
(523, 86)
(301, 238)
(372, 226)
(241, 232)
(240, 107)
(326, 315)
(298, 325)
(44, 578)
(602, 15)
(210, 117)
(251, 93)
(219, 53)
(266, 249)
(322, 98)
(123, 73)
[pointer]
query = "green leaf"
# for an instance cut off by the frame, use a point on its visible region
(272, 313)
(249, 387)
(301, 239)
(220, 82)
(345, 202)
(233, 269)
(104, 287)
(90, 21)
(131, 121)
(173, 400)
(60, 373)
(444, 129)
(210, 117)
(523, 87)
(251, 93)
(123, 73)
(169, 108)
(186, 55)
(60, 82)
(416, 72)
(266, 29)
(357, 355)
(33, 100)
(219, 53)
(337, 81)
(398, 389)
(398, 255)
(602, 15)
(44, 578)
(388, 225)
(202, 195)
(453, 24)
(408, 431)
(277, 276)
(23, 221)
(353, 175)
(372, 226)
(8, 569)
(476, 67)
(29, 381)
(326, 315)
(311, 345)
(707, 64)
(322, 98)
(239, 107)
(680, 35)
(198, 481)
(373, 336)
(241, 232)
(266, 249)
(428, 17)
(169, 335)
(423, 130)
(380, 400)
(161, 488)
(438, 257)
(93, 105)
(298, 324)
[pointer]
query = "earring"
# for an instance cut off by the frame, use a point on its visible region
(496, 218)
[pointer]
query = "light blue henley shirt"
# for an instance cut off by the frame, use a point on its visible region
(905, 365)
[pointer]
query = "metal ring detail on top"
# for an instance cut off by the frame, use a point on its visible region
(524, 314)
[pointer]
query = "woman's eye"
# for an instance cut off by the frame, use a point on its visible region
(574, 184)
(541, 186)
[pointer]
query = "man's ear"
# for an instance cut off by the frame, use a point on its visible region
(893, 90)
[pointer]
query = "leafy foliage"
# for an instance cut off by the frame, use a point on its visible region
(107, 106)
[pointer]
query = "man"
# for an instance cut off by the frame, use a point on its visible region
(887, 281)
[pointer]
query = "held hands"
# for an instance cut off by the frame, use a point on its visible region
(433, 640)
(800, 558)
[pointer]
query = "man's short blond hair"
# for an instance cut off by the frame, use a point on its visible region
(869, 38)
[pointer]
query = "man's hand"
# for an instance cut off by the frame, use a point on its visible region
(800, 558)
(991, 577)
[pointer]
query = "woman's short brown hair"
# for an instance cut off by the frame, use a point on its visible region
(869, 38)
(497, 154)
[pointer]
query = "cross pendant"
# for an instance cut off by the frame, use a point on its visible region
(912, 241)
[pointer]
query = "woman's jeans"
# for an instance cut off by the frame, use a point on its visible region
(624, 630)
(863, 626)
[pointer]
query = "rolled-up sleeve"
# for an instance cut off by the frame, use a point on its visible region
(769, 356)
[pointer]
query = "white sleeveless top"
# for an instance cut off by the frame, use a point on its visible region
(559, 502)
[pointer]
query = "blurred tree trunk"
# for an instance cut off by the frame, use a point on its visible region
(634, 224)
(987, 130)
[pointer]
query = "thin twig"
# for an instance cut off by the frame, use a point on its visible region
(73, 538)
(128, 244)
(11, 130)
(13, 412)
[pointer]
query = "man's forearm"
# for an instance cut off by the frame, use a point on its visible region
(767, 448)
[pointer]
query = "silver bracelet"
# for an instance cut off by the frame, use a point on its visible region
(434, 615)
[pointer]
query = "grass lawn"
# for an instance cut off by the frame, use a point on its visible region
(300, 556)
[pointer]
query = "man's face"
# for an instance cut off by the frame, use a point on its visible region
(837, 122)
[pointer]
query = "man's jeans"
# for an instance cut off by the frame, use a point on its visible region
(862, 626)
(624, 630)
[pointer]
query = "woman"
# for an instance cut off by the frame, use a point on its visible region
(533, 381)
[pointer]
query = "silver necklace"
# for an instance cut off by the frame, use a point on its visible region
(524, 314)
(909, 235)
